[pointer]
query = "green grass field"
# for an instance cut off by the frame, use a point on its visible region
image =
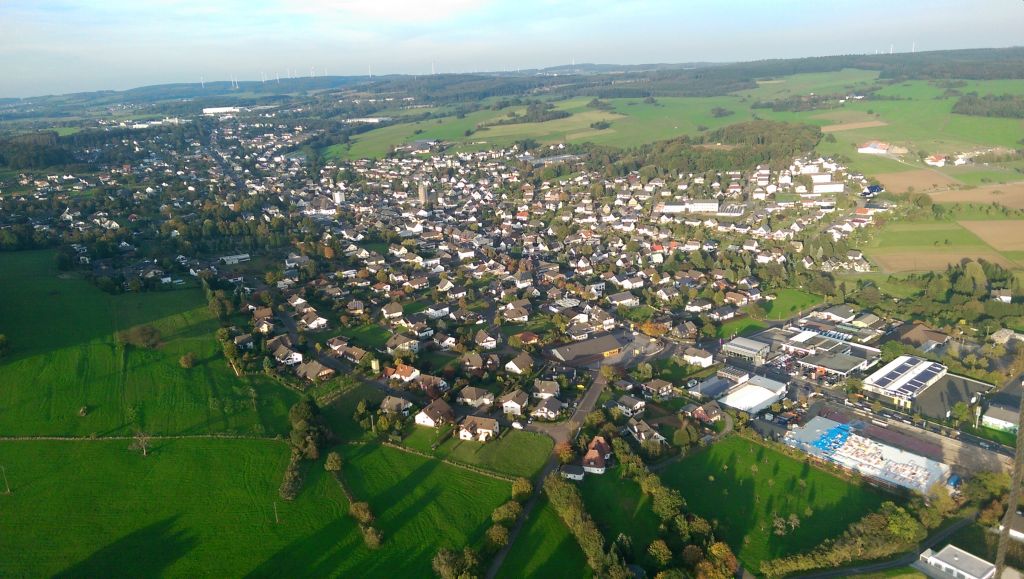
(517, 452)
(741, 327)
(790, 302)
(619, 506)
(545, 548)
(65, 356)
(369, 336)
(206, 508)
(719, 484)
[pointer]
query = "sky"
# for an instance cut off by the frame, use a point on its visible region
(61, 46)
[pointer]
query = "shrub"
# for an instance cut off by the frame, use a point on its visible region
(187, 361)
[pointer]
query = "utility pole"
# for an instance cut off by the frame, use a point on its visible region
(276, 520)
(6, 484)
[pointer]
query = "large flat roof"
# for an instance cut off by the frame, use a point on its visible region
(906, 376)
(742, 343)
(751, 398)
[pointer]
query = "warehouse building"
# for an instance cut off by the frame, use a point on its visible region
(903, 379)
(752, 350)
(755, 395)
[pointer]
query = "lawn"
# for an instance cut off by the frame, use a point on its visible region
(201, 508)
(719, 483)
(368, 336)
(545, 548)
(789, 302)
(65, 356)
(667, 369)
(618, 506)
(339, 413)
(740, 327)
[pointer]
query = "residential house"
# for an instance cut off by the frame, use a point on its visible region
(476, 397)
(642, 431)
(395, 405)
(478, 428)
(313, 371)
(658, 387)
(548, 409)
(698, 357)
(485, 341)
(521, 364)
(401, 342)
(544, 389)
(630, 406)
(514, 403)
(435, 414)
(392, 311)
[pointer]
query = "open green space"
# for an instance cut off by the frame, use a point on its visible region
(740, 327)
(65, 356)
(741, 485)
(790, 302)
(678, 374)
(937, 236)
(619, 506)
(207, 508)
(368, 336)
(545, 548)
(516, 452)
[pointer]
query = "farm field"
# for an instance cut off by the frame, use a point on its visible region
(1003, 235)
(919, 180)
(923, 246)
(789, 302)
(65, 356)
(206, 508)
(1011, 195)
(721, 484)
(545, 548)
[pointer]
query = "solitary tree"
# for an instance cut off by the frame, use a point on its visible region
(333, 462)
(140, 442)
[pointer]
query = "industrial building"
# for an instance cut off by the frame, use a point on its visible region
(754, 395)
(754, 351)
(846, 446)
(903, 379)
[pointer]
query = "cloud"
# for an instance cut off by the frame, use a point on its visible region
(387, 10)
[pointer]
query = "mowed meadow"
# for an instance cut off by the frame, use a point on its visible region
(209, 508)
(65, 356)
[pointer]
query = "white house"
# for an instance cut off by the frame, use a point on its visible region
(514, 402)
(435, 414)
(478, 428)
(521, 364)
(698, 357)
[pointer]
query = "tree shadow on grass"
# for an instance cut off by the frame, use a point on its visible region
(146, 552)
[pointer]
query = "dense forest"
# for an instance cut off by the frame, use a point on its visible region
(1007, 105)
(33, 151)
(741, 145)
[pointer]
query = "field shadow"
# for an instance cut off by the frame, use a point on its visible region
(146, 552)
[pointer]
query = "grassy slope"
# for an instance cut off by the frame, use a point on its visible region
(743, 502)
(65, 356)
(545, 548)
(206, 508)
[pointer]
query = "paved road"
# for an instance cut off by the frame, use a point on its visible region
(938, 537)
(559, 432)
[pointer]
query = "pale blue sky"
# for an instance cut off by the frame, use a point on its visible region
(49, 46)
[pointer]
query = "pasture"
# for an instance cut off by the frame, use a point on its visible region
(545, 548)
(206, 508)
(740, 485)
(65, 357)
